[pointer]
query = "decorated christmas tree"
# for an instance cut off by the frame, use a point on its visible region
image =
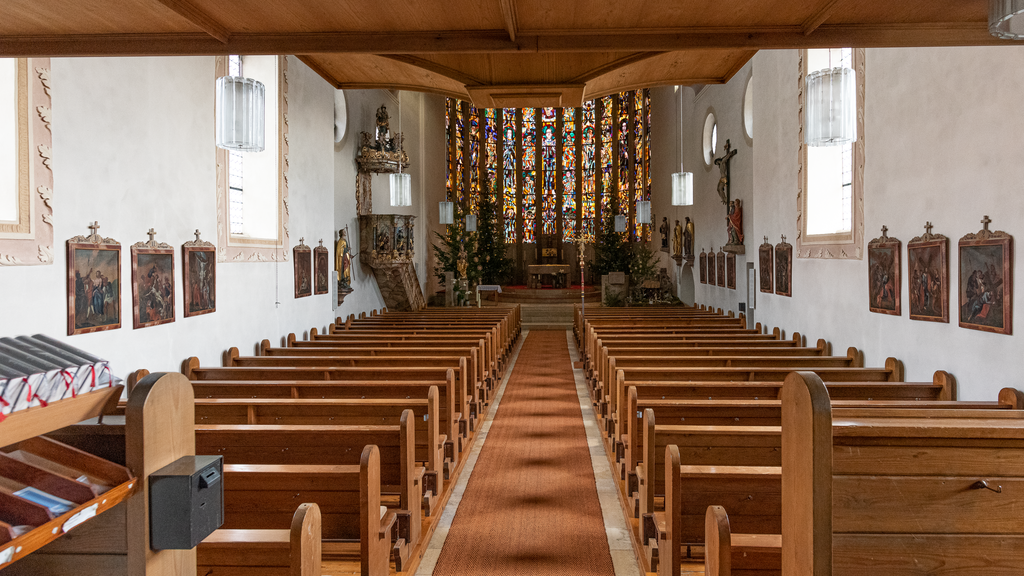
(456, 253)
(495, 265)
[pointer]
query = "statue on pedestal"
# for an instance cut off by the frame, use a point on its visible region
(664, 229)
(688, 236)
(734, 223)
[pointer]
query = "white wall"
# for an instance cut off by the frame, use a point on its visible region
(423, 125)
(943, 144)
(133, 149)
(707, 213)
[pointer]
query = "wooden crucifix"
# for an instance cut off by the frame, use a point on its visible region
(723, 166)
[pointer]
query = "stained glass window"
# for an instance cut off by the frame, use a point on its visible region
(588, 196)
(625, 103)
(639, 179)
(529, 208)
(549, 144)
(460, 180)
(491, 150)
(509, 172)
(553, 167)
(568, 174)
(448, 138)
(607, 161)
(474, 160)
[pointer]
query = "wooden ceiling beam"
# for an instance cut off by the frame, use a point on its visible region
(819, 17)
(201, 19)
(511, 17)
(496, 41)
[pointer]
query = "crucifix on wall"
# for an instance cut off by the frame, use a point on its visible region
(734, 208)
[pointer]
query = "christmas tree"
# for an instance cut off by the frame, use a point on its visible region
(495, 265)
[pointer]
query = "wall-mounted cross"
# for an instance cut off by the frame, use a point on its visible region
(151, 234)
(928, 228)
(94, 227)
(986, 221)
(302, 241)
(783, 238)
(885, 231)
(765, 239)
(321, 242)
(197, 234)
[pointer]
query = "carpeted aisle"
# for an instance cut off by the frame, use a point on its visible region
(531, 504)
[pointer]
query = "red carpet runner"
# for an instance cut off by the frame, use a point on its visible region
(531, 504)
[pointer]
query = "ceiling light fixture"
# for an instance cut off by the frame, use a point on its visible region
(241, 112)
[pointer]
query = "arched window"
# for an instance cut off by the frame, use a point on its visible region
(557, 170)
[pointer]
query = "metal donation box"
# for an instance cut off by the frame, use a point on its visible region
(186, 502)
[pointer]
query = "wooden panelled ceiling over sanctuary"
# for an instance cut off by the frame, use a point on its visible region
(505, 53)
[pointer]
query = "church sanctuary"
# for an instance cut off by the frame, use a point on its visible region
(511, 287)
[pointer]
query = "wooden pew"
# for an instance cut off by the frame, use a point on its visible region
(494, 360)
(898, 495)
(467, 385)
(753, 496)
(238, 382)
(737, 554)
(328, 445)
(273, 552)
(613, 404)
(348, 411)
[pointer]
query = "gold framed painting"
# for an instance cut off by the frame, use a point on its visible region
(93, 283)
(985, 283)
(199, 277)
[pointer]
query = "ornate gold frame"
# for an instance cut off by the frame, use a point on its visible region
(832, 246)
(29, 241)
(238, 249)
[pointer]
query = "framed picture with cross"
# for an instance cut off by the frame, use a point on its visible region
(94, 283)
(303, 269)
(199, 276)
(928, 270)
(152, 283)
(986, 280)
(884, 284)
(321, 270)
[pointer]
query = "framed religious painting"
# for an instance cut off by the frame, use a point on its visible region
(703, 259)
(766, 261)
(928, 268)
(884, 285)
(302, 259)
(711, 269)
(730, 271)
(94, 283)
(985, 283)
(199, 277)
(784, 268)
(321, 270)
(720, 268)
(152, 283)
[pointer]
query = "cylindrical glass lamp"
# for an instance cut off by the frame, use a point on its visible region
(1006, 19)
(830, 107)
(241, 114)
(620, 223)
(447, 212)
(682, 189)
(470, 222)
(401, 189)
(643, 211)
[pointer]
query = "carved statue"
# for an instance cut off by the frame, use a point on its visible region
(677, 240)
(723, 168)
(343, 261)
(664, 229)
(383, 128)
(688, 235)
(734, 222)
(461, 264)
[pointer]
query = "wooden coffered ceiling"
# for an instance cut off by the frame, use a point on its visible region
(493, 52)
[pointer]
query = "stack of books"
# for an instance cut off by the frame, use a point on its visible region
(37, 370)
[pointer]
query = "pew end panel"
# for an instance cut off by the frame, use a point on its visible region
(293, 552)
(1012, 397)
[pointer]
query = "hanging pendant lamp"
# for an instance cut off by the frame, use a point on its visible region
(470, 222)
(643, 212)
(830, 107)
(620, 223)
(401, 184)
(682, 181)
(241, 114)
(447, 215)
(1006, 19)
